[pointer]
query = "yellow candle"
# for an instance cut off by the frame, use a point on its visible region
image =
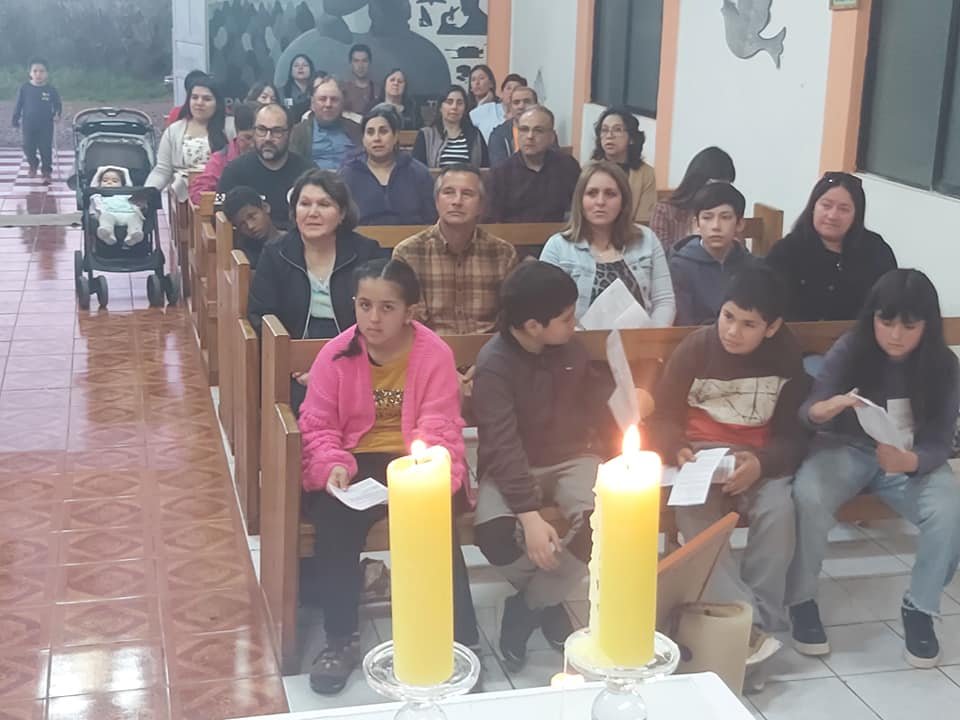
(421, 560)
(624, 563)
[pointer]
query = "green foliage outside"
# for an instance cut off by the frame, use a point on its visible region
(100, 50)
(100, 86)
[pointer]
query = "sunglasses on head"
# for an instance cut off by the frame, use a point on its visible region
(836, 177)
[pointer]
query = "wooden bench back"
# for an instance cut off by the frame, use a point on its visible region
(408, 138)
(518, 234)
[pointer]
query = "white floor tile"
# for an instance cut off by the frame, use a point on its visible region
(903, 547)
(788, 664)
(845, 532)
(541, 666)
(907, 695)
(752, 708)
(953, 589)
(952, 672)
(806, 699)
(880, 598)
(837, 605)
(948, 633)
(891, 527)
(313, 640)
(865, 648)
(489, 620)
(301, 698)
(861, 558)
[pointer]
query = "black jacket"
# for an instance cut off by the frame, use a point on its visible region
(281, 286)
(825, 285)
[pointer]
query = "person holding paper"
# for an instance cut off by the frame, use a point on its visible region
(896, 357)
(541, 415)
(701, 265)
(739, 384)
(373, 390)
(602, 245)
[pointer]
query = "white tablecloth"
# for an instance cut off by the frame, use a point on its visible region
(682, 697)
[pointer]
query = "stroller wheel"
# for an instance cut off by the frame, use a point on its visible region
(83, 292)
(100, 287)
(171, 286)
(77, 268)
(154, 291)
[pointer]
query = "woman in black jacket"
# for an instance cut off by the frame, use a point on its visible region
(830, 261)
(304, 278)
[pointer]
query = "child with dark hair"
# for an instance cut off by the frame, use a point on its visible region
(373, 390)
(738, 384)
(112, 210)
(249, 213)
(702, 264)
(38, 105)
(896, 357)
(536, 399)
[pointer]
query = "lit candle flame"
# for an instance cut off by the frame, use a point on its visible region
(631, 441)
(418, 448)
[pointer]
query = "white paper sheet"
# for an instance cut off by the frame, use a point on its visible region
(615, 308)
(361, 495)
(692, 482)
(877, 423)
(623, 402)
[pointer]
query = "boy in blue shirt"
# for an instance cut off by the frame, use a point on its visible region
(38, 105)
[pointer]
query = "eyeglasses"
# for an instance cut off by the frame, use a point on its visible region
(613, 132)
(277, 132)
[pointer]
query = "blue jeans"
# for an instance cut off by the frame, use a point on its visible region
(835, 472)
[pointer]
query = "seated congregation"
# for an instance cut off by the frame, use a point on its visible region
(300, 197)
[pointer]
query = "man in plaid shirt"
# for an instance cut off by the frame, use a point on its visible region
(459, 264)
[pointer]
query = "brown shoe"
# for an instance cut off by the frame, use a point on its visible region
(333, 666)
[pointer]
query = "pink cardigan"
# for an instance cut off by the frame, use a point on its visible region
(208, 179)
(339, 408)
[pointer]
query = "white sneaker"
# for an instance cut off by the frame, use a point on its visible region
(762, 646)
(108, 237)
(133, 238)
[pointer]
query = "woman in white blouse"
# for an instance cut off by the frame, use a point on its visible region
(186, 145)
(602, 245)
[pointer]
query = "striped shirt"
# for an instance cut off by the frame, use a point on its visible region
(461, 291)
(455, 150)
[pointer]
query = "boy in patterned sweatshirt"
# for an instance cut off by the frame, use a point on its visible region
(738, 384)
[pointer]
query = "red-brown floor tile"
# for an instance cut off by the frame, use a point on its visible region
(179, 481)
(33, 463)
(106, 668)
(220, 656)
(118, 458)
(104, 361)
(228, 699)
(193, 538)
(191, 613)
(23, 674)
(199, 507)
(25, 628)
(104, 513)
(107, 483)
(23, 710)
(27, 551)
(24, 587)
(20, 519)
(207, 571)
(150, 704)
(110, 621)
(106, 581)
(86, 437)
(105, 545)
(29, 488)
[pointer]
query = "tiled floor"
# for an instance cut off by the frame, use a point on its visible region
(125, 587)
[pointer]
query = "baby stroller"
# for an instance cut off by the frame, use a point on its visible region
(123, 138)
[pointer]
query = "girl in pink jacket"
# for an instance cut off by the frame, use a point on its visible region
(372, 391)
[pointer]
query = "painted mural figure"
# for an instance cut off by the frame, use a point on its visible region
(390, 38)
(745, 20)
(475, 24)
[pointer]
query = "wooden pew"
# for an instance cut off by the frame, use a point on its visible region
(408, 139)
(202, 263)
(284, 538)
(226, 313)
(181, 225)
(522, 235)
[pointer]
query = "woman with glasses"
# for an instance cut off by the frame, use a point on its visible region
(388, 186)
(452, 139)
(830, 260)
(619, 140)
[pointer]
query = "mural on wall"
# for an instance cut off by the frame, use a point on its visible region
(744, 21)
(435, 42)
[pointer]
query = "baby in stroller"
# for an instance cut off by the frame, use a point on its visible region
(116, 209)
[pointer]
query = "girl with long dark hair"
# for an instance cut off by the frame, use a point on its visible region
(374, 389)
(896, 358)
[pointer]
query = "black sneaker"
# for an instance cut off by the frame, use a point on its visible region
(922, 648)
(556, 626)
(809, 637)
(518, 624)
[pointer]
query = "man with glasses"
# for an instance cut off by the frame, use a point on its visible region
(325, 135)
(504, 140)
(272, 169)
(535, 184)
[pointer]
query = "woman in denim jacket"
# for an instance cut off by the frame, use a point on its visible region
(602, 245)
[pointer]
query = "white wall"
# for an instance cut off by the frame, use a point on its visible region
(920, 226)
(591, 112)
(543, 42)
(769, 120)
